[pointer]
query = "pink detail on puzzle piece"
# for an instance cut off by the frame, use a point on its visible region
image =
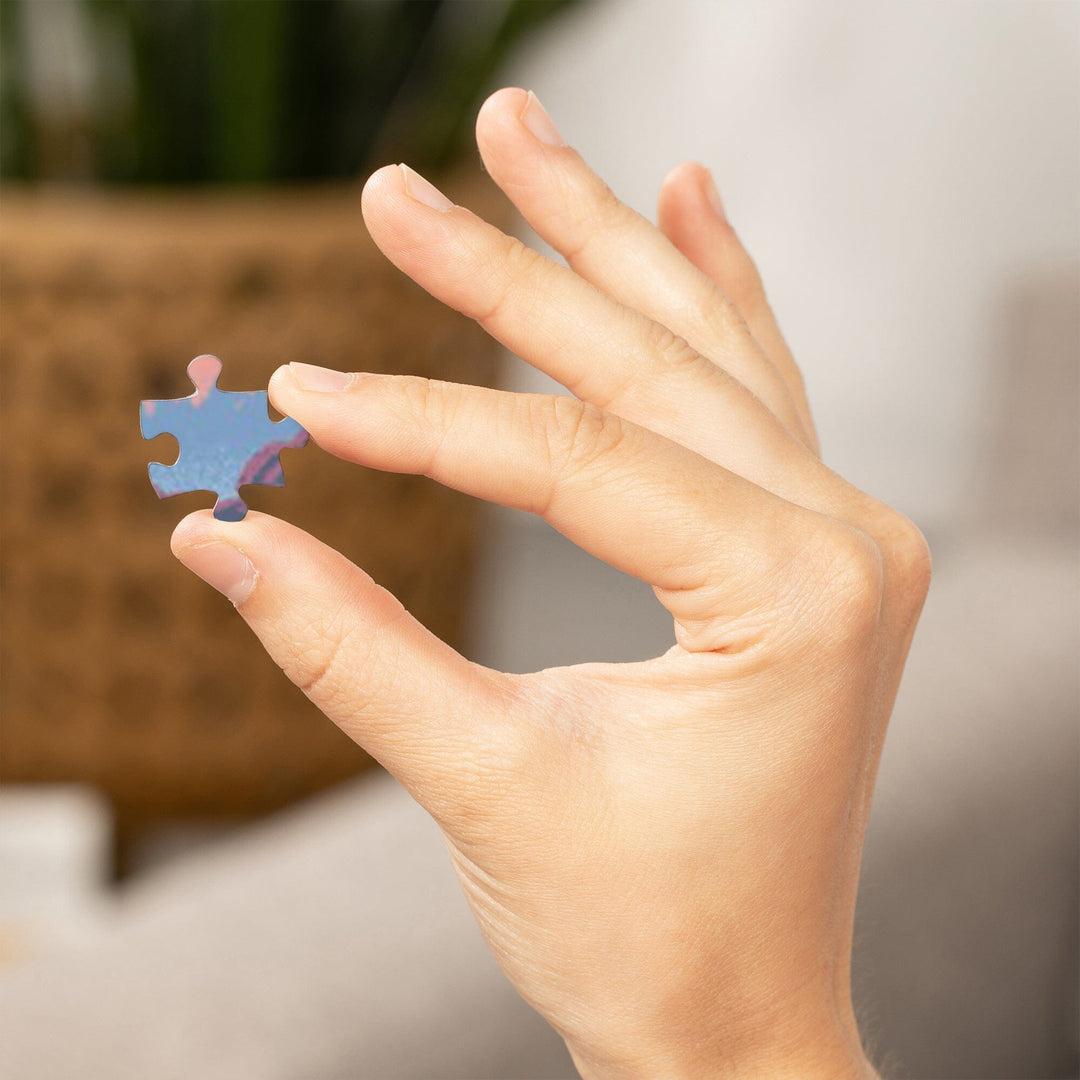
(264, 467)
(203, 371)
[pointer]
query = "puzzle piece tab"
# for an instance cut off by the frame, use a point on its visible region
(226, 440)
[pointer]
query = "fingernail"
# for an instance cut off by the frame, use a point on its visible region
(714, 196)
(313, 377)
(224, 567)
(534, 116)
(416, 187)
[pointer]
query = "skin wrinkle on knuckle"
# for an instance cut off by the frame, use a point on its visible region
(434, 407)
(826, 596)
(510, 266)
(724, 320)
(572, 435)
(725, 309)
(715, 617)
(553, 438)
(314, 666)
(589, 437)
(350, 690)
(847, 576)
(608, 219)
(537, 423)
(402, 396)
(674, 354)
(738, 638)
(307, 650)
(402, 399)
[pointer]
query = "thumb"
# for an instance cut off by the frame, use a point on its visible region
(435, 720)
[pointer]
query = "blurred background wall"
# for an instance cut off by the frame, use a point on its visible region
(907, 176)
(181, 177)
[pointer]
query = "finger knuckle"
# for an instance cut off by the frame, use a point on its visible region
(414, 394)
(519, 261)
(614, 215)
(315, 664)
(577, 435)
(671, 351)
(591, 211)
(847, 570)
(725, 316)
(428, 408)
(337, 662)
(508, 268)
(908, 563)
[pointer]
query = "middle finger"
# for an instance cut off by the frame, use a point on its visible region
(604, 352)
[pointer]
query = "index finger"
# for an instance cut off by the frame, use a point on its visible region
(715, 545)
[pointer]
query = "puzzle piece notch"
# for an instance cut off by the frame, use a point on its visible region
(227, 439)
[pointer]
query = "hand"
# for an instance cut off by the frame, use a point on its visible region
(663, 856)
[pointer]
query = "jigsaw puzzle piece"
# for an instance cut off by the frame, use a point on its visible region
(226, 440)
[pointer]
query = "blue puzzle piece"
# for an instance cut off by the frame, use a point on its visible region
(226, 440)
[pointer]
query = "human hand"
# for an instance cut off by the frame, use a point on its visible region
(663, 856)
